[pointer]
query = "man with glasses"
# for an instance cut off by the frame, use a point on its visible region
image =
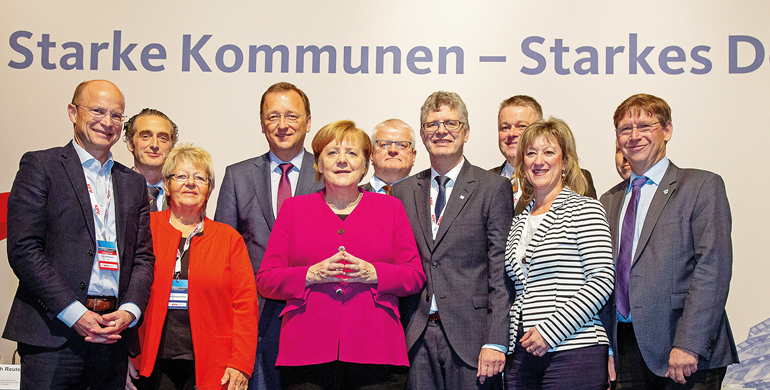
(79, 242)
(457, 326)
(150, 135)
(252, 193)
(666, 320)
(393, 156)
(513, 117)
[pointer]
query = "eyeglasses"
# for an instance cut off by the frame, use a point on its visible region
(642, 128)
(400, 145)
(182, 178)
(99, 113)
(275, 118)
(450, 125)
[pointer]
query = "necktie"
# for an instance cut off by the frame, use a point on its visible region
(514, 183)
(623, 267)
(153, 192)
(441, 199)
(387, 189)
(284, 186)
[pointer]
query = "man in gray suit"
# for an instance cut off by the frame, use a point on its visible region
(673, 253)
(514, 115)
(252, 193)
(393, 155)
(457, 326)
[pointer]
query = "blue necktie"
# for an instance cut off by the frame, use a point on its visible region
(623, 266)
(441, 199)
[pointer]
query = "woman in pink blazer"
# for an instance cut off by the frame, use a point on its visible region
(341, 258)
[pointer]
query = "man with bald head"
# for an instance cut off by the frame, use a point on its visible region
(515, 114)
(393, 156)
(79, 242)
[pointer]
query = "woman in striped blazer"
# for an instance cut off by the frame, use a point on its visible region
(559, 257)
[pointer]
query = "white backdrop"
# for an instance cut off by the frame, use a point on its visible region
(680, 51)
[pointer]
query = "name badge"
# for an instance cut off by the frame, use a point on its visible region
(178, 298)
(107, 252)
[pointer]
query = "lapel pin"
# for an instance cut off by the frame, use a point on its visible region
(665, 191)
(462, 196)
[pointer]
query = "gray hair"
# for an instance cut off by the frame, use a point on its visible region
(395, 124)
(439, 99)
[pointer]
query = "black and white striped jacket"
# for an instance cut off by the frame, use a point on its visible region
(570, 276)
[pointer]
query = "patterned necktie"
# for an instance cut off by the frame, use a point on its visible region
(514, 183)
(153, 192)
(387, 189)
(284, 186)
(623, 266)
(441, 199)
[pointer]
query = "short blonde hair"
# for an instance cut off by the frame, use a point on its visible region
(197, 156)
(556, 131)
(339, 131)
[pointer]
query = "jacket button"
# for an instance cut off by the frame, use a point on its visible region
(341, 248)
(341, 231)
(82, 285)
(435, 264)
(90, 252)
(339, 291)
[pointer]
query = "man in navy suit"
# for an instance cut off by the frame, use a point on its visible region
(250, 198)
(79, 242)
(670, 229)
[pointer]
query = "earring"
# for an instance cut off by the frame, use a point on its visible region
(563, 175)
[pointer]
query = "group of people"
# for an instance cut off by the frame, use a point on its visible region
(453, 278)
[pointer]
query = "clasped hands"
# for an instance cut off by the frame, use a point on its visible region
(341, 264)
(103, 329)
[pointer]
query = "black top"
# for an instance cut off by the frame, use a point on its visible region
(176, 339)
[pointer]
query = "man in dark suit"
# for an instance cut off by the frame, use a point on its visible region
(393, 155)
(79, 242)
(252, 193)
(457, 326)
(673, 253)
(150, 135)
(513, 117)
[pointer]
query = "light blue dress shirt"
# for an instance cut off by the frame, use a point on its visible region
(646, 193)
(102, 282)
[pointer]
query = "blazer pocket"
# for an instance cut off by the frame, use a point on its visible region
(480, 301)
(678, 300)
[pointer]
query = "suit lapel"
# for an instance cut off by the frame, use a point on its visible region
(461, 192)
(306, 183)
(77, 178)
(662, 195)
(613, 216)
(548, 220)
(121, 194)
(261, 174)
(422, 204)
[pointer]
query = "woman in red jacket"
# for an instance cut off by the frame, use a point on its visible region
(341, 258)
(200, 325)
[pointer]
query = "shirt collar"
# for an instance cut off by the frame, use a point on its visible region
(296, 161)
(452, 174)
(87, 160)
(655, 173)
(508, 170)
(377, 183)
